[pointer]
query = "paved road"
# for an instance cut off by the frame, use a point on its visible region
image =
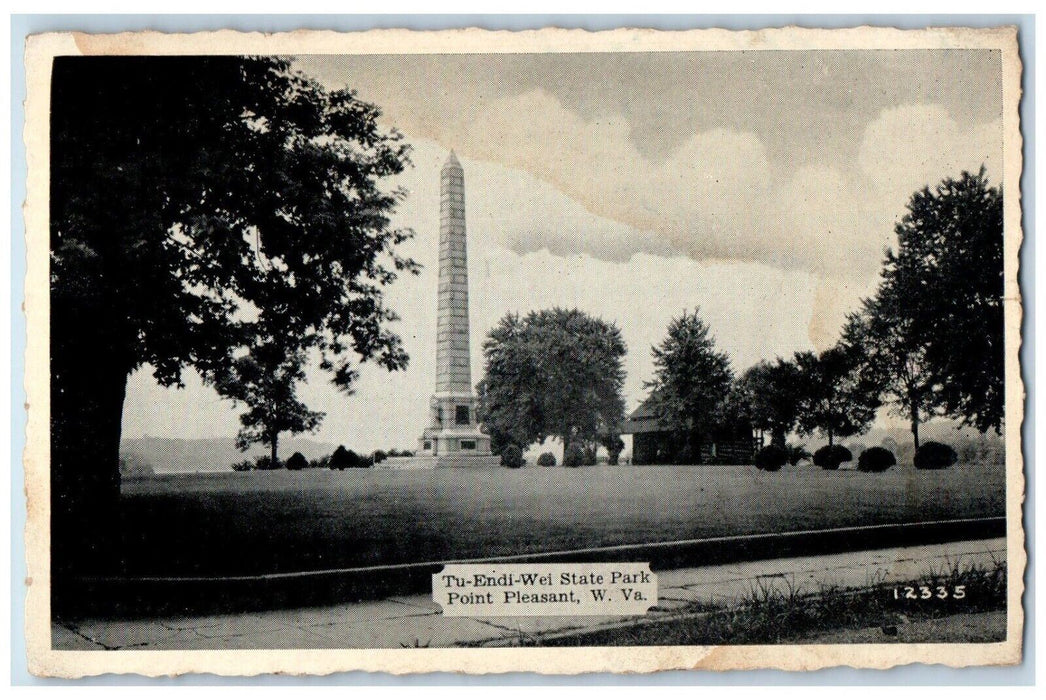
(409, 621)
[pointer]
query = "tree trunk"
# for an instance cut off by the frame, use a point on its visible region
(915, 423)
(88, 386)
(695, 447)
(831, 438)
(273, 448)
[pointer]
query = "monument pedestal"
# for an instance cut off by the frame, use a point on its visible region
(453, 438)
(459, 461)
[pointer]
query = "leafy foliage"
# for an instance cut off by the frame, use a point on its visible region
(614, 445)
(267, 464)
(266, 381)
(347, 459)
(574, 455)
(934, 455)
(773, 392)
(895, 355)
(796, 453)
(546, 459)
(512, 457)
(876, 459)
(555, 373)
(837, 398)
(949, 264)
(771, 458)
(691, 379)
(831, 456)
(243, 185)
(933, 332)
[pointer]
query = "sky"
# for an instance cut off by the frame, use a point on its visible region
(760, 186)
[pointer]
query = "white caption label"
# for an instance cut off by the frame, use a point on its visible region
(513, 590)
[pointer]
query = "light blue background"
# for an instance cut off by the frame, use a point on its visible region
(24, 25)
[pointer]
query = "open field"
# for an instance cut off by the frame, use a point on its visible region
(263, 522)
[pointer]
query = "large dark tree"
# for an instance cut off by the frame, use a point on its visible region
(554, 373)
(837, 397)
(188, 195)
(933, 332)
(772, 391)
(691, 379)
(948, 271)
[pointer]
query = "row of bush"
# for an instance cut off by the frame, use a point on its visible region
(931, 455)
(575, 456)
(340, 459)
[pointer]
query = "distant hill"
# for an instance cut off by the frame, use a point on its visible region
(176, 455)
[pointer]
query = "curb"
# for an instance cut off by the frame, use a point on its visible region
(139, 596)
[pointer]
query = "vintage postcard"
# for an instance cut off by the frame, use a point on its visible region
(547, 351)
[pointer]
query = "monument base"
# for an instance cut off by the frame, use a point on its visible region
(441, 461)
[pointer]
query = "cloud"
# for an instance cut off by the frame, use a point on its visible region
(696, 193)
(909, 147)
(717, 196)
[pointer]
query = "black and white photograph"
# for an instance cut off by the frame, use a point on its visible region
(561, 342)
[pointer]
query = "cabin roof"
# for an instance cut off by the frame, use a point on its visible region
(642, 420)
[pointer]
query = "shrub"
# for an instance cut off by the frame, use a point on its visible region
(589, 457)
(342, 459)
(935, 455)
(380, 456)
(320, 462)
(511, 457)
(134, 467)
(266, 464)
(876, 459)
(297, 462)
(244, 466)
(831, 456)
(357, 461)
(573, 456)
(547, 459)
(796, 453)
(771, 458)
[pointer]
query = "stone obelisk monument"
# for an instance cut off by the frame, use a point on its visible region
(453, 438)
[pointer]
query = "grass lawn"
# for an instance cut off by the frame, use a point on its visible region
(261, 522)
